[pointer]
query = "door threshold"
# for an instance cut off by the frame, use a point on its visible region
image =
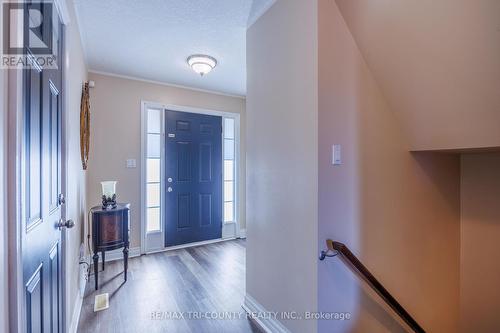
(188, 245)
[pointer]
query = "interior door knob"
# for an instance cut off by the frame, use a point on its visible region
(65, 224)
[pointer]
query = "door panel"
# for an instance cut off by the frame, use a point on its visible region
(205, 209)
(184, 155)
(33, 128)
(35, 301)
(194, 162)
(184, 211)
(41, 252)
(54, 144)
(206, 162)
(54, 292)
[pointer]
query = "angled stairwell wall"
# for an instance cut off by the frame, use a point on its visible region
(438, 65)
(398, 211)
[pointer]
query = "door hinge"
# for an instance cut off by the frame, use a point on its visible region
(61, 199)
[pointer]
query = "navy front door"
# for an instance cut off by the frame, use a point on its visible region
(193, 173)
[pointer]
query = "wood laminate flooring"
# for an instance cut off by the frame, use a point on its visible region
(170, 291)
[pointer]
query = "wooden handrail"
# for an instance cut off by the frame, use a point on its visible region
(342, 249)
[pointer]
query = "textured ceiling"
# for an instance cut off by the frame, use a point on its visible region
(152, 39)
(438, 65)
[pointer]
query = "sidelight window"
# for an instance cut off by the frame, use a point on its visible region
(153, 170)
(229, 170)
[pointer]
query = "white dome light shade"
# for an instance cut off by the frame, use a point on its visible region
(201, 64)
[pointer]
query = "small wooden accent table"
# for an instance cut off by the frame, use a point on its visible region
(110, 231)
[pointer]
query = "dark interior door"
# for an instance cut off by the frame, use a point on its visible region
(193, 173)
(41, 179)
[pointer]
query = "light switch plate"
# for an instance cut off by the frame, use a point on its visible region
(337, 155)
(131, 163)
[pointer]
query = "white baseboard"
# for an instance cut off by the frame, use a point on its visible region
(188, 245)
(75, 317)
(243, 233)
(118, 254)
(268, 325)
(229, 230)
(82, 282)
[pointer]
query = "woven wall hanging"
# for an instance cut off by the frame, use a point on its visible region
(85, 126)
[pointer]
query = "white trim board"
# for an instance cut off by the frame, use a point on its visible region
(243, 233)
(14, 183)
(185, 246)
(134, 78)
(77, 307)
(4, 266)
(229, 230)
(136, 251)
(118, 254)
(62, 8)
(268, 324)
(75, 318)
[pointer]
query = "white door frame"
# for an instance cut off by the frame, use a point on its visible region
(66, 302)
(15, 104)
(16, 313)
(4, 266)
(160, 236)
(4, 195)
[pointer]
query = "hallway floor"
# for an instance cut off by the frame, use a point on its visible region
(161, 288)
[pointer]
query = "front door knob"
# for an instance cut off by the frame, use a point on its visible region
(65, 224)
(169, 189)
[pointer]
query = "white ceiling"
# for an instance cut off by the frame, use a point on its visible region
(151, 39)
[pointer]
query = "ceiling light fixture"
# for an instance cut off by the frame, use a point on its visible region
(201, 64)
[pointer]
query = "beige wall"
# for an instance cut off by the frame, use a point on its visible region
(116, 135)
(480, 250)
(76, 74)
(438, 65)
(282, 158)
(397, 211)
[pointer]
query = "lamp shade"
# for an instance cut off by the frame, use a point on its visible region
(108, 188)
